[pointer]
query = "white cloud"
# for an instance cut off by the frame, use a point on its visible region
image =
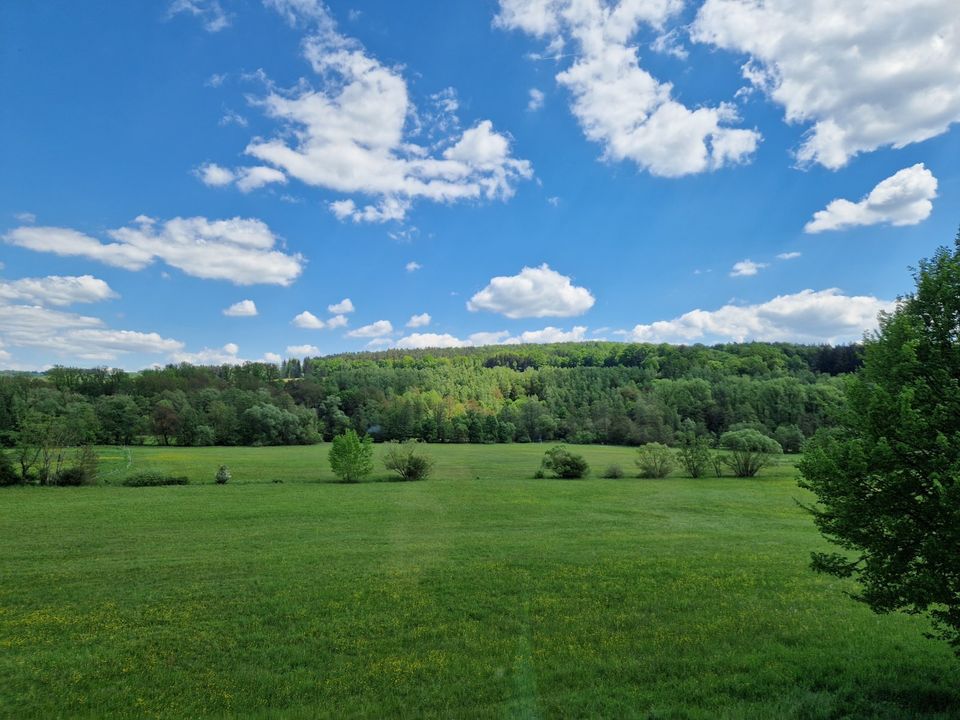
(534, 292)
(232, 117)
(354, 133)
(244, 308)
(413, 266)
(25, 217)
(272, 358)
(337, 321)
(429, 340)
(746, 268)
(420, 320)
(302, 350)
(56, 290)
(904, 198)
(75, 337)
(308, 320)
(536, 100)
(788, 255)
(239, 249)
(209, 12)
(215, 80)
(863, 75)
(245, 178)
(342, 307)
(806, 317)
(548, 335)
(621, 106)
(373, 330)
(227, 355)
(489, 338)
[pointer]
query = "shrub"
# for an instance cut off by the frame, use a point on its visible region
(539, 474)
(72, 476)
(655, 460)
(351, 458)
(613, 471)
(718, 461)
(749, 451)
(223, 475)
(153, 478)
(8, 475)
(695, 456)
(564, 464)
(790, 437)
(407, 460)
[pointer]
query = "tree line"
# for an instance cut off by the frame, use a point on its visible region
(616, 393)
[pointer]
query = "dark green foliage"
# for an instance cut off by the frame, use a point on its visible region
(655, 460)
(8, 474)
(887, 480)
(614, 472)
(694, 455)
(153, 478)
(790, 437)
(351, 458)
(611, 393)
(408, 460)
(223, 475)
(73, 475)
(564, 464)
(749, 450)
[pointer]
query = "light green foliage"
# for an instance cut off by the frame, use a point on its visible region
(564, 464)
(497, 597)
(655, 460)
(694, 455)
(749, 450)
(408, 459)
(888, 480)
(351, 458)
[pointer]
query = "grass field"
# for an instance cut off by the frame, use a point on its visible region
(479, 593)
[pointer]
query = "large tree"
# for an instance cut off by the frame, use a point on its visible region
(887, 480)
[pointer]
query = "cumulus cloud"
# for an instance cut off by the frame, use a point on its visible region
(619, 105)
(536, 100)
(420, 320)
(825, 316)
(209, 12)
(302, 350)
(337, 321)
(245, 178)
(56, 290)
(860, 75)
(272, 358)
(502, 337)
(534, 292)
(25, 217)
(342, 307)
(904, 198)
(377, 329)
(244, 308)
(413, 266)
(76, 337)
(226, 355)
(240, 250)
(308, 320)
(356, 132)
(746, 268)
(429, 340)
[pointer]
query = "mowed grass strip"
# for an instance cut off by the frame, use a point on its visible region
(479, 593)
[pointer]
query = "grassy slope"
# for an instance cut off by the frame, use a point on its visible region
(495, 597)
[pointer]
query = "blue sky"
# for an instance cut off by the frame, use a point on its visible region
(463, 173)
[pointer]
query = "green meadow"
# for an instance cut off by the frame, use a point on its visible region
(481, 592)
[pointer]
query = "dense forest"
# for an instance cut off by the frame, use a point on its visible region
(597, 392)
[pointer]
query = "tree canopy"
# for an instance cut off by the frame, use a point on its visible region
(887, 479)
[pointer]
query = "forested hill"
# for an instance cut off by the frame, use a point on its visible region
(576, 392)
